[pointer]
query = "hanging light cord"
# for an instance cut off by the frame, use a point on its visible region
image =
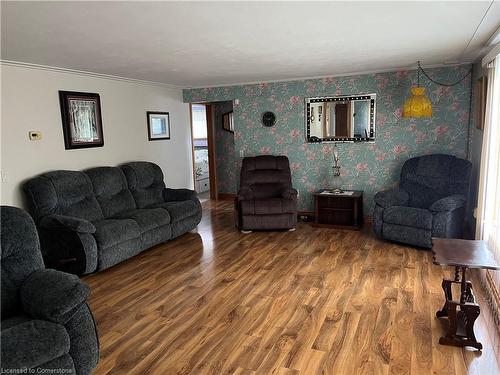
(440, 83)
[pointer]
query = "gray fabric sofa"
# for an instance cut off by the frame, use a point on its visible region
(430, 201)
(46, 322)
(89, 221)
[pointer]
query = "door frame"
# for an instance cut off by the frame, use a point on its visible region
(212, 163)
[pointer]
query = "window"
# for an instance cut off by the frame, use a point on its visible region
(488, 226)
(199, 116)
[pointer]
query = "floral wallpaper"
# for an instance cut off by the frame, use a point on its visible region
(365, 166)
(226, 161)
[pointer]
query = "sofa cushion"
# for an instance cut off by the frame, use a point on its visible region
(110, 232)
(111, 190)
(147, 218)
(145, 181)
(410, 235)
(178, 210)
(67, 193)
(32, 343)
(14, 321)
(270, 206)
(408, 216)
(263, 222)
(268, 176)
(431, 177)
(20, 256)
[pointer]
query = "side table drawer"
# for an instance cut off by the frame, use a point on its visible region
(336, 217)
(335, 202)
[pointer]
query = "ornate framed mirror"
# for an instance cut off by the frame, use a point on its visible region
(346, 118)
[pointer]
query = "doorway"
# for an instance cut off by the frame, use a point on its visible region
(214, 160)
(203, 151)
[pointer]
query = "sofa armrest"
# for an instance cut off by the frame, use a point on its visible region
(448, 203)
(179, 194)
(393, 197)
(245, 194)
(68, 223)
(52, 295)
(289, 193)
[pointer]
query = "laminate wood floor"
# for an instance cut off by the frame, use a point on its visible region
(313, 301)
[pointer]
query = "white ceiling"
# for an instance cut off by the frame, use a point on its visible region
(193, 44)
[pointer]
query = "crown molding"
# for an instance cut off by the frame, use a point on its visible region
(160, 84)
(84, 73)
(347, 74)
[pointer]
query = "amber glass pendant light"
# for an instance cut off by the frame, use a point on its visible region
(418, 104)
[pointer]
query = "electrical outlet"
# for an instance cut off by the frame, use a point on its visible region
(242, 153)
(35, 135)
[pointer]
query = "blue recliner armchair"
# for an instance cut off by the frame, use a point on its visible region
(430, 201)
(46, 325)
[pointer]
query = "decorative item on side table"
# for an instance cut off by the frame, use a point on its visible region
(81, 119)
(461, 312)
(158, 125)
(339, 210)
(337, 179)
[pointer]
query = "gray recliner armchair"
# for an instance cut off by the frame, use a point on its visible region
(430, 201)
(46, 325)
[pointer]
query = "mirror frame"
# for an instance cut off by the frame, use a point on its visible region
(308, 101)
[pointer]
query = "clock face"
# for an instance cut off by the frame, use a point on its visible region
(268, 119)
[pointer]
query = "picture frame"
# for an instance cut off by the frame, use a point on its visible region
(228, 122)
(81, 119)
(158, 125)
(481, 89)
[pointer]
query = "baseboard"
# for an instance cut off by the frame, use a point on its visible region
(226, 196)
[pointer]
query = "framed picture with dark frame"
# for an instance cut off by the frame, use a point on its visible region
(81, 119)
(481, 90)
(158, 125)
(227, 122)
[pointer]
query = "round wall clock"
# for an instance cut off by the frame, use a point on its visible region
(268, 119)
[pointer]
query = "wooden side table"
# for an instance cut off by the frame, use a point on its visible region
(344, 211)
(462, 313)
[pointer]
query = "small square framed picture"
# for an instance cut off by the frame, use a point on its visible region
(227, 122)
(158, 125)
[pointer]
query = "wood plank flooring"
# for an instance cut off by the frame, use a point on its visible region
(313, 301)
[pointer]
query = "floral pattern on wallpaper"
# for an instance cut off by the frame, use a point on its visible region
(226, 161)
(365, 166)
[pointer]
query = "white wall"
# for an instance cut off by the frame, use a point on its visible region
(30, 101)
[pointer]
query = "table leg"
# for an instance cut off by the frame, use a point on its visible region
(463, 287)
(461, 330)
(446, 285)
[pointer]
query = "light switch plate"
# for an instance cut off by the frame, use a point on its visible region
(35, 135)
